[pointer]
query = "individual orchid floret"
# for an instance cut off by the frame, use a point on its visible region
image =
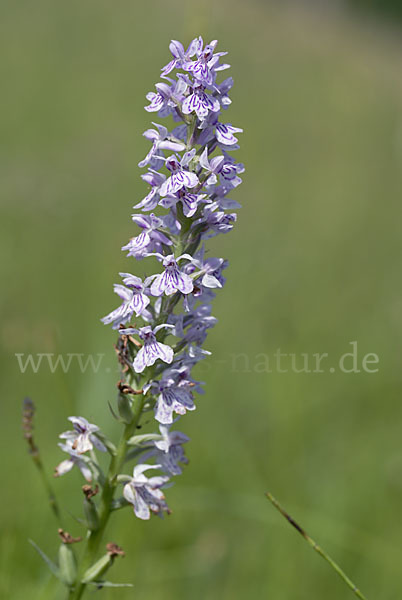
(145, 494)
(200, 103)
(173, 397)
(190, 202)
(216, 221)
(160, 99)
(213, 166)
(182, 371)
(198, 323)
(155, 180)
(180, 57)
(134, 299)
(169, 452)
(75, 459)
(225, 134)
(152, 350)
(209, 270)
(223, 90)
(83, 437)
(205, 67)
(150, 239)
(166, 98)
(230, 172)
(180, 176)
(172, 279)
(225, 167)
(160, 141)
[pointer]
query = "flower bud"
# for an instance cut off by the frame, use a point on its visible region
(91, 514)
(67, 565)
(97, 569)
(124, 408)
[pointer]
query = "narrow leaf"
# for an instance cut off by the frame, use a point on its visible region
(111, 448)
(52, 566)
(101, 584)
(147, 437)
(114, 414)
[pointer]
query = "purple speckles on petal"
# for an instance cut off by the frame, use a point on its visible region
(171, 280)
(151, 351)
(224, 134)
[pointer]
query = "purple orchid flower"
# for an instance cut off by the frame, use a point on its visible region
(209, 270)
(134, 299)
(145, 494)
(180, 57)
(165, 100)
(160, 141)
(160, 99)
(190, 202)
(82, 438)
(197, 324)
(152, 350)
(224, 134)
(168, 451)
(151, 200)
(216, 221)
(180, 176)
(200, 103)
(223, 89)
(213, 166)
(75, 459)
(207, 64)
(174, 397)
(151, 238)
(172, 279)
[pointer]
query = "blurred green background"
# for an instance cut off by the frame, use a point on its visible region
(315, 263)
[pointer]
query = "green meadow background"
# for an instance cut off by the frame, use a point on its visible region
(315, 263)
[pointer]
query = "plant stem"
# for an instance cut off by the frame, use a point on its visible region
(28, 414)
(316, 547)
(95, 537)
(46, 484)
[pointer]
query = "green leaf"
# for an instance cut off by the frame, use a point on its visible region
(136, 440)
(77, 519)
(91, 515)
(114, 414)
(111, 448)
(98, 569)
(123, 478)
(101, 584)
(124, 408)
(67, 564)
(52, 566)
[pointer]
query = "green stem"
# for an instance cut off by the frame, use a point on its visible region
(95, 537)
(316, 547)
(191, 133)
(116, 463)
(46, 484)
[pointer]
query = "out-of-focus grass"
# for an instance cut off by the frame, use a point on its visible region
(315, 264)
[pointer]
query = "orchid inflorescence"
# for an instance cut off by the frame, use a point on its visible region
(190, 174)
